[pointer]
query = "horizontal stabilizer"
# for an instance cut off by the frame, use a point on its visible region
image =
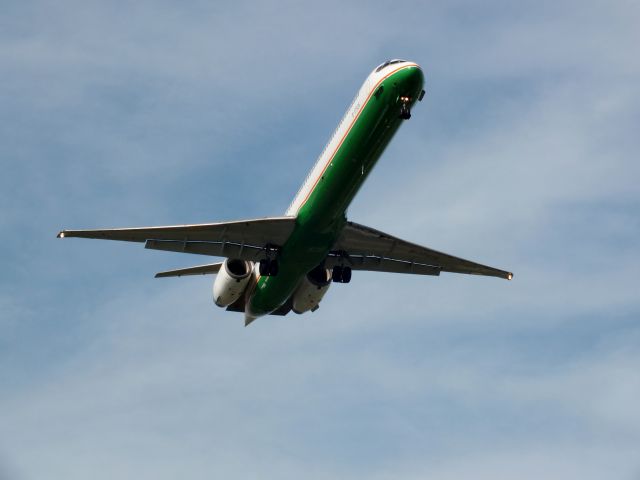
(199, 270)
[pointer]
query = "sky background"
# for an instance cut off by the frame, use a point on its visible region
(523, 156)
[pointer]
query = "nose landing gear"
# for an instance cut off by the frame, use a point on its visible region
(405, 110)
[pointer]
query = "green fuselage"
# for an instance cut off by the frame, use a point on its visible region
(321, 216)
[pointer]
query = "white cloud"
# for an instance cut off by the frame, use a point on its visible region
(194, 394)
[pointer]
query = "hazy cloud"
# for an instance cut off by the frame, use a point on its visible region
(522, 155)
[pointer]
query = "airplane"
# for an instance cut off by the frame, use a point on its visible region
(280, 264)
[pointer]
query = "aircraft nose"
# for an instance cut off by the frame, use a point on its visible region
(411, 82)
(415, 78)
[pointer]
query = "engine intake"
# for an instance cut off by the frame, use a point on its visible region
(231, 282)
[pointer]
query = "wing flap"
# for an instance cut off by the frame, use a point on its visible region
(375, 246)
(379, 264)
(215, 249)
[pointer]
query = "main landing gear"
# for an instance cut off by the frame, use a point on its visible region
(341, 274)
(405, 110)
(268, 267)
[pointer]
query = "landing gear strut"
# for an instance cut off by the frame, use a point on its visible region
(405, 110)
(341, 274)
(268, 267)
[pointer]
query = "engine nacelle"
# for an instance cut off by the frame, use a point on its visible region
(231, 281)
(313, 287)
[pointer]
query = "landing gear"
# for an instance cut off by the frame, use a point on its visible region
(346, 274)
(268, 267)
(405, 109)
(341, 274)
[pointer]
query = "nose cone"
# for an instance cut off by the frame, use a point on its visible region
(411, 80)
(417, 75)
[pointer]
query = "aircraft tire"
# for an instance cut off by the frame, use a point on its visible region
(273, 268)
(336, 274)
(264, 267)
(346, 275)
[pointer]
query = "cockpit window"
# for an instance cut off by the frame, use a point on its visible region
(389, 62)
(382, 66)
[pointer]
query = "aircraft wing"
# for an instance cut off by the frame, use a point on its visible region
(244, 239)
(364, 248)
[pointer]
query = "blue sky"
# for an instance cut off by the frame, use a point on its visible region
(523, 156)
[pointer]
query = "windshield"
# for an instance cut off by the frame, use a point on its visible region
(389, 62)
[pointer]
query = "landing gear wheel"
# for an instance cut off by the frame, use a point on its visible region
(346, 274)
(273, 268)
(405, 112)
(268, 267)
(336, 275)
(264, 267)
(341, 274)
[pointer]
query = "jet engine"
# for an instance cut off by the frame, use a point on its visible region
(231, 281)
(311, 290)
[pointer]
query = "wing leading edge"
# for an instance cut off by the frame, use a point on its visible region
(365, 248)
